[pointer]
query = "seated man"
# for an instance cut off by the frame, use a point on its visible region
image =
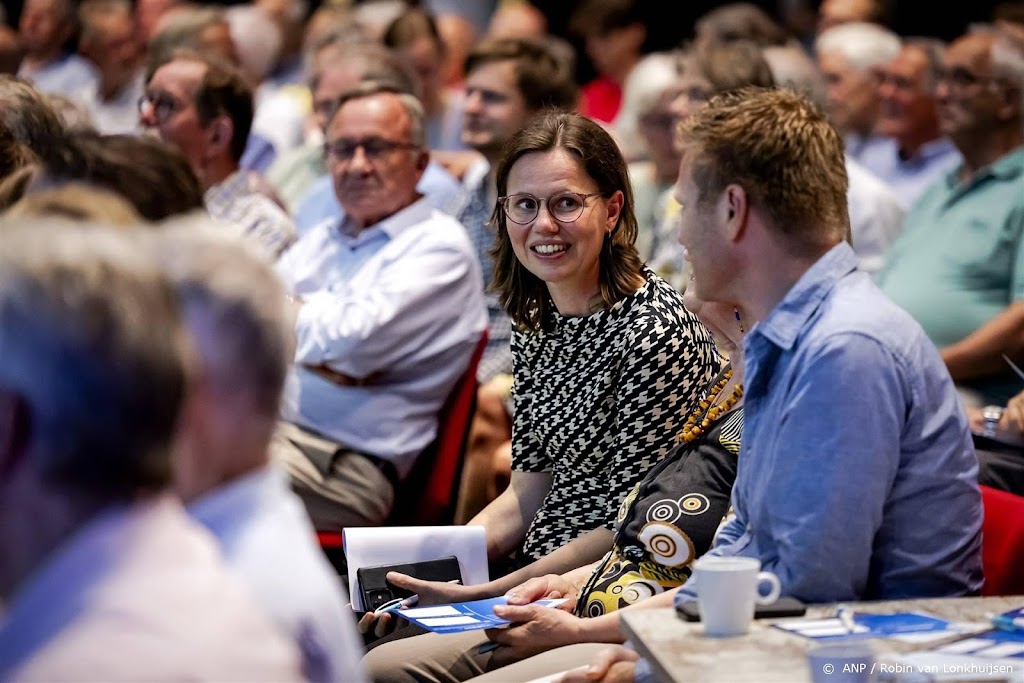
(201, 105)
(237, 315)
(860, 480)
(958, 265)
(389, 309)
(102, 574)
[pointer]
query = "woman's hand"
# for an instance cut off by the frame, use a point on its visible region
(615, 664)
(534, 629)
(544, 587)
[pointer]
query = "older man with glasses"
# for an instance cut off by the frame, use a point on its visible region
(389, 309)
(958, 264)
(201, 105)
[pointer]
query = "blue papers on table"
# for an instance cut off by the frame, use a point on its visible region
(910, 626)
(463, 616)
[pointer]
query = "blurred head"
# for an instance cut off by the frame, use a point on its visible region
(980, 90)
(717, 68)
(614, 33)
(153, 177)
(739, 21)
(92, 373)
(508, 80)
(851, 58)
(644, 123)
(45, 26)
(769, 151)
(201, 105)
(376, 151)
(148, 14)
(459, 36)
(110, 41)
(29, 126)
(205, 30)
(909, 110)
(340, 65)
(257, 40)
(76, 201)
(236, 313)
(833, 13)
(416, 40)
(563, 155)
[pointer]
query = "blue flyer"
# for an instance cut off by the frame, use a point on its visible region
(864, 626)
(462, 616)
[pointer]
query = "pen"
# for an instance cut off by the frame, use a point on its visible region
(1004, 623)
(402, 603)
(846, 618)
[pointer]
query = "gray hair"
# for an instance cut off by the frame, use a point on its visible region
(235, 308)
(647, 82)
(91, 343)
(412, 105)
(864, 45)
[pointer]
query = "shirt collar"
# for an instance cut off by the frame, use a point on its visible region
(392, 226)
(791, 315)
(1006, 167)
(220, 508)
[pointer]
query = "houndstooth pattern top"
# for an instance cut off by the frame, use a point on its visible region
(598, 401)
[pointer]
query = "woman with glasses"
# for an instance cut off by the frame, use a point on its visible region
(607, 360)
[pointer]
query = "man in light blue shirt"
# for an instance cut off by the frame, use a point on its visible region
(857, 476)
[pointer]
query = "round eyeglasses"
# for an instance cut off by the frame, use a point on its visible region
(564, 207)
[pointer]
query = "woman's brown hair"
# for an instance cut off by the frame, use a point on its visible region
(521, 293)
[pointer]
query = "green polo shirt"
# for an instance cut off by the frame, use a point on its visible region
(959, 260)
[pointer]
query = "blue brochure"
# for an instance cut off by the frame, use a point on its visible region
(864, 626)
(462, 616)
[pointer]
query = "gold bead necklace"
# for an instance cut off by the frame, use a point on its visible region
(707, 412)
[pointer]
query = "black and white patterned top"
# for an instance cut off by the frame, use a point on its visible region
(599, 400)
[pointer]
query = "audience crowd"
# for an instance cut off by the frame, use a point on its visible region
(756, 293)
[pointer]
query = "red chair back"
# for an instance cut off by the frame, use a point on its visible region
(1002, 542)
(427, 495)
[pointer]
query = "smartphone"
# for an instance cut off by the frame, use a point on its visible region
(376, 590)
(783, 607)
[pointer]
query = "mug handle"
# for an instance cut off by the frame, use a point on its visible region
(775, 591)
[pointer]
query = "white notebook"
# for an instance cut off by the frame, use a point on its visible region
(372, 546)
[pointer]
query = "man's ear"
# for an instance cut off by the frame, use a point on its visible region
(219, 134)
(14, 431)
(733, 208)
(422, 160)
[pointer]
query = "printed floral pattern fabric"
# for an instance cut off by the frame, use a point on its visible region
(667, 521)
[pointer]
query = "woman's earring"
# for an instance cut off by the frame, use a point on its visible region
(739, 322)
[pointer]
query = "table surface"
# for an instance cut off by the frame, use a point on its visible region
(679, 651)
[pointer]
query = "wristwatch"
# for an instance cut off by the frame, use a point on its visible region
(992, 415)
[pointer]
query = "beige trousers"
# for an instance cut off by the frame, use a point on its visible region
(454, 658)
(339, 486)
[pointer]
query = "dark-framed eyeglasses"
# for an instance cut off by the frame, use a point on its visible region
(374, 149)
(162, 103)
(565, 207)
(960, 78)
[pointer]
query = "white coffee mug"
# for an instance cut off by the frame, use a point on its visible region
(727, 588)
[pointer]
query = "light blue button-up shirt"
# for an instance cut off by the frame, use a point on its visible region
(857, 475)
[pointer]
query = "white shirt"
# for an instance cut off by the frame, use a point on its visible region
(63, 76)
(140, 593)
(876, 215)
(267, 539)
(399, 303)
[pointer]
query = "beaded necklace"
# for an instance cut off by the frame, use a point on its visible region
(707, 412)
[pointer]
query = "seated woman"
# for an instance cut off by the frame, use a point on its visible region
(606, 359)
(666, 522)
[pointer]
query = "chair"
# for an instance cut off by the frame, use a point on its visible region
(1002, 542)
(427, 495)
